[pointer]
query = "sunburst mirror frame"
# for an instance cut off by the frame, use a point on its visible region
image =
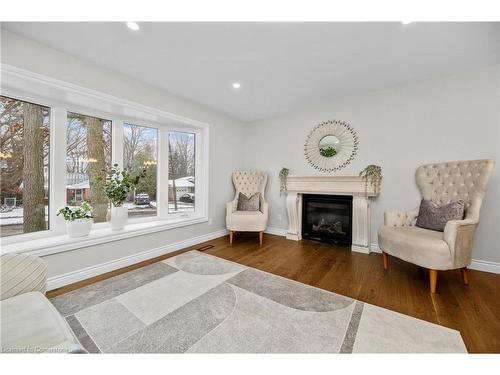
(348, 140)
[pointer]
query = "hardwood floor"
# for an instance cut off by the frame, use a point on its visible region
(474, 310)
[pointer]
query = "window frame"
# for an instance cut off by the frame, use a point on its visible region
(63, 97)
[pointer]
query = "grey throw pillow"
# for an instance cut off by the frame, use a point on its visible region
(251, 203)
(433, 216)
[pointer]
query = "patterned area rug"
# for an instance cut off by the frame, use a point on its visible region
(199, 303)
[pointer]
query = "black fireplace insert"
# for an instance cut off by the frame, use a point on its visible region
(327, 218)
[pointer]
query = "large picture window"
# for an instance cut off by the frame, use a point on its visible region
(58, 141)
(24, 164)
(139, 153)
(88, 155)
(181, 172)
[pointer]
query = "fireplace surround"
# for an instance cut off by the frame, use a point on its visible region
(352, 186)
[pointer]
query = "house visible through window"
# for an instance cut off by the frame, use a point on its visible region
(88, 155)
(24, 164)
(181, 172)
(139, 153)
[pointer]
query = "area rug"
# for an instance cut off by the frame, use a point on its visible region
(198, 303)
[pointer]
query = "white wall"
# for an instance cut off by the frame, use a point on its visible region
(225, 144)
(452, 118)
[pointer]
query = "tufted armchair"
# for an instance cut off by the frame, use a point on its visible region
(248, 183)
(451, 249)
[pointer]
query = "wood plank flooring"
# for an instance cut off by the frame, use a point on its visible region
(474, 310)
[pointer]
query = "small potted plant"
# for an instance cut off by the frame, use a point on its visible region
(373, 174)
(117, 186)
(78, 219)
(284, 172)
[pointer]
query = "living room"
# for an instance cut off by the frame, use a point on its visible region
(250, 187)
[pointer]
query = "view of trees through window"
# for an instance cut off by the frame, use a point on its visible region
(88, 155)
(181, 171)
(139, 152)
(25, 136)
(24, 166)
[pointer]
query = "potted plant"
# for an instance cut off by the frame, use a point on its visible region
(373, 174)
(78, 219)
(117, 186)
(284, 172)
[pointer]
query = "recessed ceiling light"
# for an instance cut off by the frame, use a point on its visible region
(236, 85)
(133, 26)
(406, 22)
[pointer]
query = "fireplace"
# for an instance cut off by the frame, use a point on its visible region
(353, 186)
(327, 218)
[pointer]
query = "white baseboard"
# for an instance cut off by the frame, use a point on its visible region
(476, 264)
(484, 265)
(360, 249)
(276, 231)
(58, 281)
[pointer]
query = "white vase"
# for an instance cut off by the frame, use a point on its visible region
(119, 217)
(79, 227)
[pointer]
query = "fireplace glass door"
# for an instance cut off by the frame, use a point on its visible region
(327, 218)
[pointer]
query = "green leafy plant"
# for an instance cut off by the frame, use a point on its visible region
(118, 184)
(283, 175)
(373, 174)
(71, 213)
(328, 152)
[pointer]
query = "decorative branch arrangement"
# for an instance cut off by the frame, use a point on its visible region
(373, 174)
(119, 184)
(283, 175)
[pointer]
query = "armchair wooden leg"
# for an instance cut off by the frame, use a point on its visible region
(385, 256)
(465, 275)
(433, 275)
(261, 237)
(231, 233)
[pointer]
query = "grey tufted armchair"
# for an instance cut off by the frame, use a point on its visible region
(248, 183)
(451, 249)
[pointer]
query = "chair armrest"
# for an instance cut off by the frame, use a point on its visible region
(231, 206)
(21, 273)
(400, 219)
(264, 208)
(459, 235)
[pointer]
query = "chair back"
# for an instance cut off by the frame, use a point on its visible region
(250, 182)
(448, 182)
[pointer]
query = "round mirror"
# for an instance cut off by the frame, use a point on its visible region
(329, 146)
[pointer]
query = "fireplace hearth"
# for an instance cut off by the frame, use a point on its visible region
(327, 218)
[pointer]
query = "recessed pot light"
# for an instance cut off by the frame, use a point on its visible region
(236, 85)
(133, 26)
(406, 22)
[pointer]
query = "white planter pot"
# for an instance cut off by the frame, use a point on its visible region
(119, 216)
(79, 227)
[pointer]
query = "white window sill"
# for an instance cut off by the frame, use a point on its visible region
(61, 243)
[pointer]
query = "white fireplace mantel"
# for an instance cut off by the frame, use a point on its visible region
(355, 186)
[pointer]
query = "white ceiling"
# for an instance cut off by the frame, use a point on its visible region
(281, 66)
